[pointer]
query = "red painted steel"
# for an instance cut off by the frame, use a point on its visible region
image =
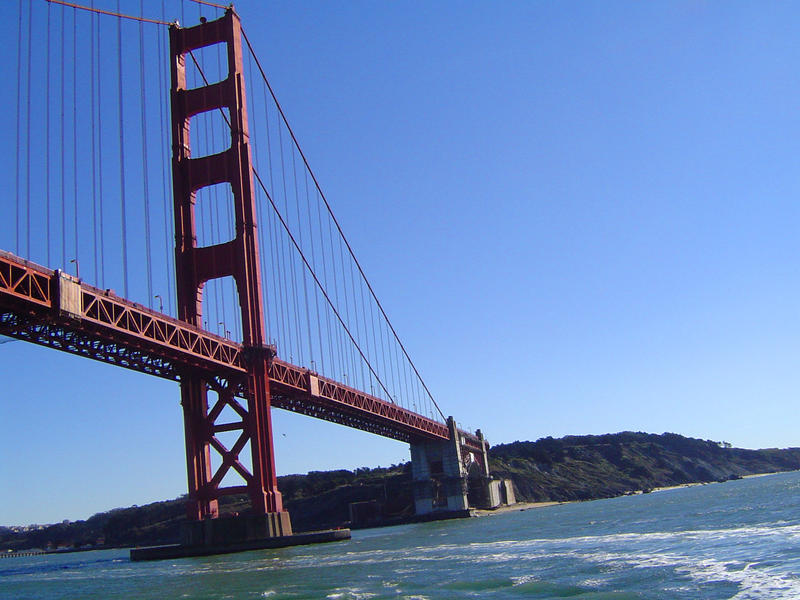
(237, 258)
(293, 386)
(54, 309)
(108, 324)
(157, 344)
(24, 281)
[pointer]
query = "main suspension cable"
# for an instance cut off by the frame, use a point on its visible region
(108, 12)
(206, 3)
(336, 222)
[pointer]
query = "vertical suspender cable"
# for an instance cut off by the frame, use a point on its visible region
(47, 140)
(63, 150)
(92, 19)
(330, 211)
(273, 248)
(100, 165)
(317, 282)
(229, 202)
(291, 262)
(300, 240)
(311, 237)
(216, 237)
(335, 278)
(165, 135)
(329, 331)
(355, 315)
(374, 337)
(75, 129)
(19, 145)
(145, 163)
(202, 209)
(122, 159)
(350, 358)
(364, 319)
(28, 141)
(260, 212)
(384, 353)
(407, 382)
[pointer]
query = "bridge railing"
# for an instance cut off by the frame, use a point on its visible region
(52, 308)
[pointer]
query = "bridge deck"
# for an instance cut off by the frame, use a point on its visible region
(54, 309)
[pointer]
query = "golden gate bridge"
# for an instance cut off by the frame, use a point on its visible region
(166, 220)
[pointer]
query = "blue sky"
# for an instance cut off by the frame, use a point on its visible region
(581, 218)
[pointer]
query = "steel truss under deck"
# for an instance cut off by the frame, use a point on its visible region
(38, 305)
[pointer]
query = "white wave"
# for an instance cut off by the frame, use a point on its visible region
(754, 583)
(350, 594)
(791, 532)
(523, 579)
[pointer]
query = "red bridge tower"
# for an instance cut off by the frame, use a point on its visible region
(195, 266)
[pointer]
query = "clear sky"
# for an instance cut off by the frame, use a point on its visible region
(581, 218)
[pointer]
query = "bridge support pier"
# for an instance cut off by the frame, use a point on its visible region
(228, 531)
(440, 480)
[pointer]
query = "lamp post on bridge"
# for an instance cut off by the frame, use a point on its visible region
(77, 267)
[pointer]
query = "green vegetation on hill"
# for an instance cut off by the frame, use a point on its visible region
(570, 468)
(602, 466)
(317, 500)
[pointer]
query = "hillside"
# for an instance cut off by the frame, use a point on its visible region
(317, 500)
(570, 468)
(603, 466)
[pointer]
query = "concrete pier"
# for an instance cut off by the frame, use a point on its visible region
(233, 530)
(438, 473)
(181, 551)
(237, 534)
(452, 476)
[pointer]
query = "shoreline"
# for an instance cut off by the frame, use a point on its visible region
(519, 506)
(685, 485)
(523, 506)
(476, 512)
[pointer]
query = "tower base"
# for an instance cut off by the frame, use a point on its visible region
(237, 534)
(235, 529)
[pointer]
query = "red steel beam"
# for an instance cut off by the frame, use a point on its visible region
(292, 384)
(37, 295)
(238, 258)
(112, 329)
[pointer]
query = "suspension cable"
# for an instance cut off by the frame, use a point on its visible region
(75, 134)
(206, 3)
(319, 283)
(28, 141)
(62, 136)
(47, 140)
(17, 247)
(123, 211)
(100, 154)
(336, 222)
(108, 12)
(145, 163)
(94, 149)
(297, 246)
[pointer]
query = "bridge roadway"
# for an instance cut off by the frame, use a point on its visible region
(54, 309)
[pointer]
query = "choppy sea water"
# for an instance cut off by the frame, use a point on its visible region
(739, 539)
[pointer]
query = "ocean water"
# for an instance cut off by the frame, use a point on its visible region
(739, 539)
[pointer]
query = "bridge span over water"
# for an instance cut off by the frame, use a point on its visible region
(217, 183)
